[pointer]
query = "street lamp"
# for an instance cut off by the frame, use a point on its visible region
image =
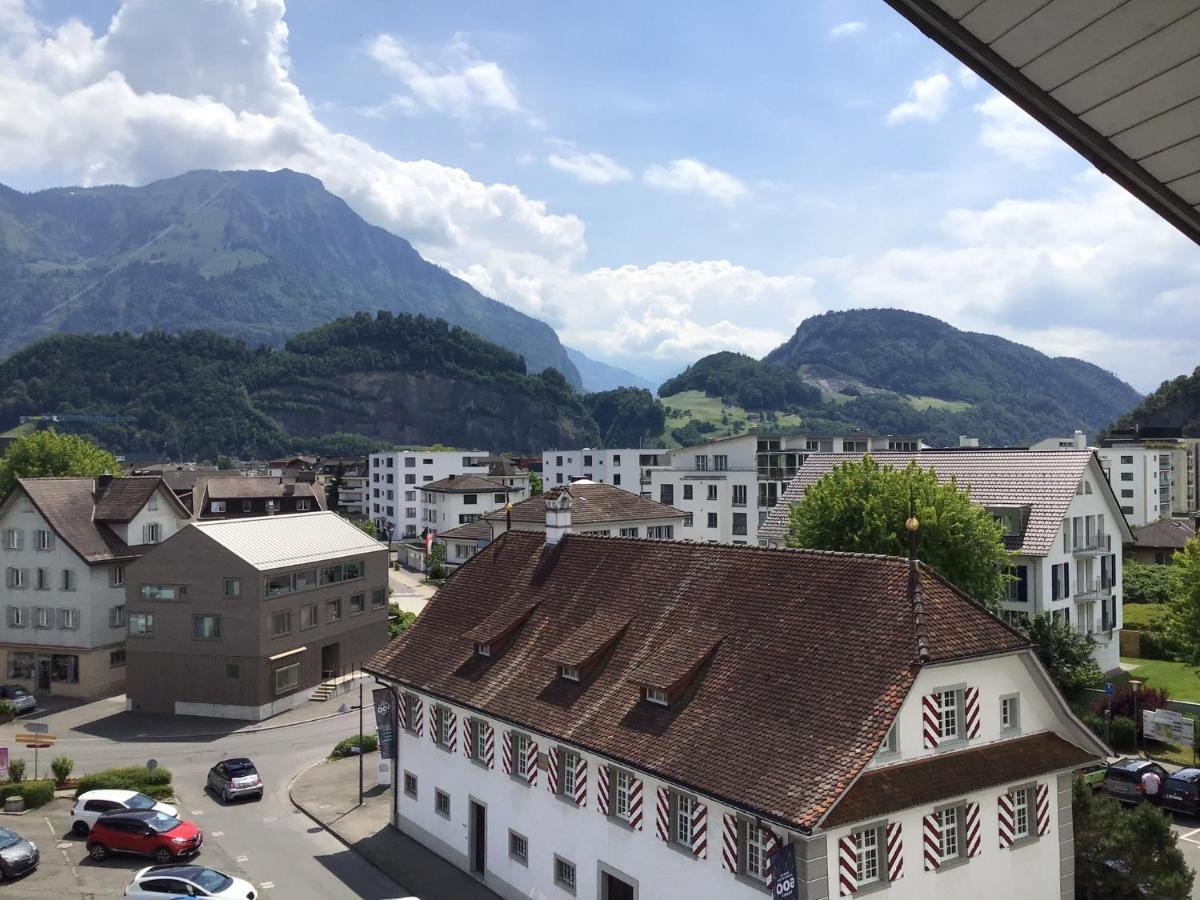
(1136, 687)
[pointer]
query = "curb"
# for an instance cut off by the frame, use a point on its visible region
(341, 840)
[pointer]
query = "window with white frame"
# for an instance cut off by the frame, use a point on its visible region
(521, 753)
(68, 618)
(681, 820)
(1022, 808)
(12, 539)
(217, 506)
(570, 673)
(151, 533)
(755, 850)
(891, 741)
(657, 696)
(629, 532)
(413, 712)
(45, 539)
(1010, 713)
(441, 718)
(141, 624)
(950, 821)
(17, 617)
(623, 796)
(43, 617)
(287, 678)
(478, 740)
(570, 772)
(152, 503)
(950, 714)
(116, 616)
(869, 847)
(116, 576)
(18, 578)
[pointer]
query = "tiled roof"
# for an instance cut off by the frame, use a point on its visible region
(123, 498)
(243, 487)
(817, 652)
(1043, 480)
(1168, 534)
(592, 503)
(276, 542)
(472, 531)
(467, 484)
(925, 782)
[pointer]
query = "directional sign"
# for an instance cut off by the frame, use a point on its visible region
(36, 739)
(36, 727)
(1109, 687)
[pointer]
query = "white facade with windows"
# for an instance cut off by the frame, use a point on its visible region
(624, 467)
(444, 510)
(394, 484)
(1150, 480)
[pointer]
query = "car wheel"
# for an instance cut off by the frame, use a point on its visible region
(80, 829)
(97, 851)
(162, 855)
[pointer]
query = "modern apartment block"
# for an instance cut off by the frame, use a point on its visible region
(67, 545)
(1061, 521)
(396, 478)
(242, 618)
(1153, 473)
(726, 487)
(463, 499)
(625, 468)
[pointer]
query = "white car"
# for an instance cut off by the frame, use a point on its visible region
(92, 805)
(161, 882)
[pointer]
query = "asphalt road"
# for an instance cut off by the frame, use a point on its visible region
(269, 842)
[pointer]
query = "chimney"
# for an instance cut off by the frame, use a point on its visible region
(558, 518)
(1080, 440)
(102, 483)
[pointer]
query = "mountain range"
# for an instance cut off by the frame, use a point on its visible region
(1176, 404)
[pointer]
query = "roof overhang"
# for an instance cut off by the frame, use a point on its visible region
(1118, 82)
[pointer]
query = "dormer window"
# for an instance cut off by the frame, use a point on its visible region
(657, 695)
(570, 673)
(483, 649)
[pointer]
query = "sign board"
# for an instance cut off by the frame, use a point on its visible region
(36, 727)
(1168, 726)
(385, 721)
(151, 765)
(783, 872)
(1110, 688)
(36, 739)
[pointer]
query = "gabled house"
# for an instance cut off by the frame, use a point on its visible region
(250, 496)
(462, 499)
(1157, 543)
(603, 717)
(66, 544)
(594, 508)
(1062, 522)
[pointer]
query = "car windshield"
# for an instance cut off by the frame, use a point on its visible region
(18, 692)
(162, 823)
(140, 801)
(212, 880)
(8, 838)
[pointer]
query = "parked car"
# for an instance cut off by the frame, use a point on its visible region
(1181, 792)
(22, 701)
(144, 832)
(187, 881)
(1093, 775)
(1123, 779)
(232, 778)
(17, 855)
(93, 804)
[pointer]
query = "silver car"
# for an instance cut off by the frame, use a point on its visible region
(232, 778)
(20, 698)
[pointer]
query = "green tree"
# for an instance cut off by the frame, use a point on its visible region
(1120, 854)
(862, 507)
(535, 484)
(49, 454)
(366, 526)
(437, 560)
(1144, 583)
(1183, 623)
(1066, 654)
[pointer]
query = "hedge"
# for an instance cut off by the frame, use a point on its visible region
(342, 749)
(156, 784)
(35, 793)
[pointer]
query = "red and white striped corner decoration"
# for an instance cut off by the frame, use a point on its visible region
(932, 842)
(1004, 817)
(489, 746)
(895, 851)
(700, 830)
(581, 782)
(971, 704)
(433, 736)
(635, 805)
(602, 788)
(531, 764)
(402, 712)
(552, 770)
(772, 844)
(453, 730)
(974, 835)
(848, 865)
(1043, 808)
(662, 814)
(468, 737)
(931, 719)
(729, 847)
(506, 752)
(419, 716)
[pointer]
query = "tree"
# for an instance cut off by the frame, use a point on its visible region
(1143, 583)
(1066, 654)
(50, 454)
(1121, 854)
(861, 507)
(1183, 623)
(436, 566)
(535, 484)
(366, 526)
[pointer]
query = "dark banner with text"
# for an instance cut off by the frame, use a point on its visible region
(385, 722)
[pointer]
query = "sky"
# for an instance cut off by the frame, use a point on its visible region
(657, 181)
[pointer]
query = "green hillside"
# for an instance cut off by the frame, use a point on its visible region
(1176, 404)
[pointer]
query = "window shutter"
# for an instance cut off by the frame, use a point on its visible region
(145, 534)
(468, 738)
(453, 729)
(895, 851)
(729, 843)
(1054, 583)
(700, 830)
(489, 745)
(1004, 809)
(931, 719)
(402, 712)
(1104, 572)
(9, 578)
(1023, 584)
(932, 830)
(974, 842)
(971, 712)
(419, 715)
(506, 753)
(1066, 580)
(581, 782)
(772, 843)
(602, 789)
(848, 865)
(433, 722)
(1043, 809)
(662, 814)
(24, 578)
(531, 765)
(552, 770)
(635, 804)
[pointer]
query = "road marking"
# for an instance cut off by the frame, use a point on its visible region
(1189, 836)
(49, 825)
(240, 859)
(65, 845)
(266, 885)
(197, 812)
(216, 834)
(270, 818)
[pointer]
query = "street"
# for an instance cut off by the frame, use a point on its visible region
(269, 843)
(407, 590)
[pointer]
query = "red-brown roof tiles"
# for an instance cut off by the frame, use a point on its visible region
(592, 503)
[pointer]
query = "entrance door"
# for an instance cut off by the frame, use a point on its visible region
(616, 889)
(43, 673)
(331, 655)
(478, 838)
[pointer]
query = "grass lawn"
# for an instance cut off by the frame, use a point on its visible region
(699, 407)
(1180, 680)
(1144, 615)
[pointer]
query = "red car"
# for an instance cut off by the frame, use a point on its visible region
(145, 832)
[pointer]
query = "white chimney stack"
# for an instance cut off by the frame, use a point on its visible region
(1080, 440)
(558, 517)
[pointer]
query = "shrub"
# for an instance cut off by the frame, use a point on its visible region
(8, 712)
(1122, 703)
(16, 770)
(1159, 645)
(368, 744)
(61, 766)
(35, 793)
(1095, 722)
(132, 778)
(1124, 734)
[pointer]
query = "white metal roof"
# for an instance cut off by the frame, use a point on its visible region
(1118, 80)
(273, 542)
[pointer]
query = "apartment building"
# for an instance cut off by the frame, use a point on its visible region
(726, 487)
(251, 496)
(1061, 519)
(67, 545)
(352, 479)
(396, 480)
(625, 467)
(1153, 473)
(608, 718)
(242, 618)
(462, 499)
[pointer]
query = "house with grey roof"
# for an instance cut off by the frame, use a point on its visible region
(66, 545)
(1157, 543)
(247, 496)
(1063, 524)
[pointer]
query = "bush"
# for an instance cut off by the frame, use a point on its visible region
(1124, 735)
(35, 793)
(1095, 722)
(7, 711)
(369, 743)
(155, 784)
(16, 770)
(1143, 583)
(61, 766)
(1122, 703)
(1159, 645)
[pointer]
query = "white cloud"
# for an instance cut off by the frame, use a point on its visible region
(1011, 132)
(593, 168)
(692, 176)
(927, 101)
(847, 29)
(967, 77)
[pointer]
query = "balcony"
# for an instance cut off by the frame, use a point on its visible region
(1096, 589)
(773, 473)
(1094, 546)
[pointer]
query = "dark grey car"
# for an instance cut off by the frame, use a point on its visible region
(1123, 780)
(17, 855)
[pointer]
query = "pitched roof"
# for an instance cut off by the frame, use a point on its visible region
(1170, 534)
(788, 706)
(1043, 480)
(123, 498)
(276, 542)
(592, 503)
(926, 781)
(472, 531)
(467, 484)
(252, 487)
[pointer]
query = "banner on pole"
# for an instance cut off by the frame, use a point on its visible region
(385, 721)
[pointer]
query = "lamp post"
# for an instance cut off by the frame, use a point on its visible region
(1136, 687)
(360, 742)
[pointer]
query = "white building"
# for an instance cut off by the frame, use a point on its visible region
(604, 719)
(726, 487)
(463, 499)
(66, 544)
(396, 478)
(626, 467)
(1061, 519)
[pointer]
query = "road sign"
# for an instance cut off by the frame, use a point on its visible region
(1110, 688)
(43, 746)
(36, 739)
(151, 765)
(36, 727)
(1169, 726)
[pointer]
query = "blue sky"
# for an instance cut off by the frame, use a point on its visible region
(656, 181)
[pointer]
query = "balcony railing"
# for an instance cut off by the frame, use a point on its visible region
(1101, 543)
(1096, 589)
(772, 473)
